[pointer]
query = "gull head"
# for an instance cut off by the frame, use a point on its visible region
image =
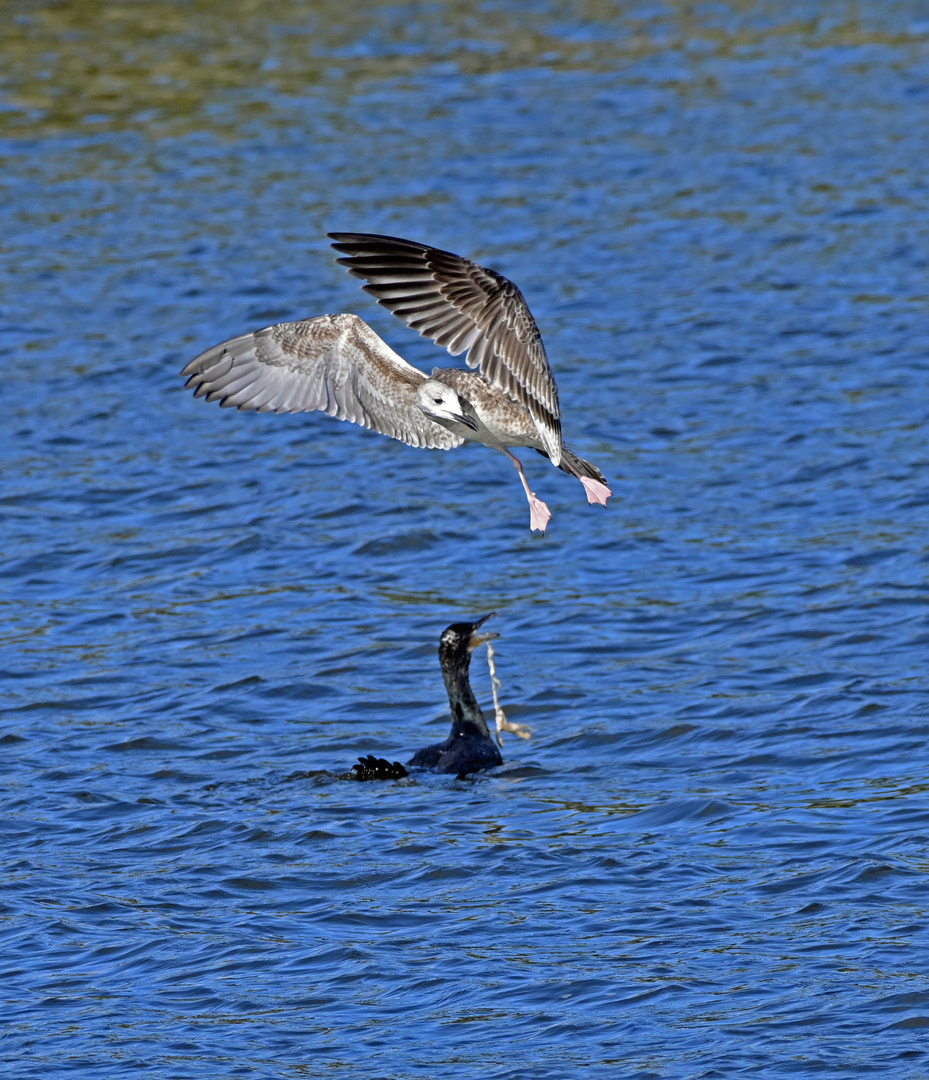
(442, 403)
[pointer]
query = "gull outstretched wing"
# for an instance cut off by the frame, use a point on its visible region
(333, 363)
(462, 306)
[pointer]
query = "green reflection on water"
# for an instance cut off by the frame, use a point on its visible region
(171, 68)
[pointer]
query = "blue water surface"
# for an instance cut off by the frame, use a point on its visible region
(710, 860)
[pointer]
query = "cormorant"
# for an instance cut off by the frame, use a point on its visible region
(469, 746)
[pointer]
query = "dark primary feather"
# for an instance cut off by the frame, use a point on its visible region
(462, 306)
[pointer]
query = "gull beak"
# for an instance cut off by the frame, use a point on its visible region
(469, 422)
(481, 639)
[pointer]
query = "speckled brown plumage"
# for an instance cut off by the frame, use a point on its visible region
(337, 364)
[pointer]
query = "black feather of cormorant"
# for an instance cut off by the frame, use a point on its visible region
(378, 768)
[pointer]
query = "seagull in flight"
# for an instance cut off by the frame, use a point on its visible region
(337, 364)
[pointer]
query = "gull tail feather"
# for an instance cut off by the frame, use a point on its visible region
(595, 483)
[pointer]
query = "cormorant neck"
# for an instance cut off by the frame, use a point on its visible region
(467, 718)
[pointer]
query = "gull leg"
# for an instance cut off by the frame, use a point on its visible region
(596, 492)
(539, 513)
(594, 481)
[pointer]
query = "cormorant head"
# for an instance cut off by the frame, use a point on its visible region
(460, 639)
(441, 402)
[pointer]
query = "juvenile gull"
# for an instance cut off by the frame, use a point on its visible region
(338, 364)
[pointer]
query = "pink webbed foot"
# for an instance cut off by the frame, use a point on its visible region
(596, 492)
(539, 514)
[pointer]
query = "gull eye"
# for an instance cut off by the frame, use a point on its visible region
(437, 400)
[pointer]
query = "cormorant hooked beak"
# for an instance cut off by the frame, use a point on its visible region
(481, 639)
